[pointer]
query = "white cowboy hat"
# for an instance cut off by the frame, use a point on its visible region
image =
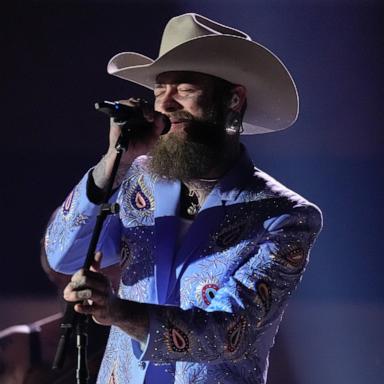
(192, 42)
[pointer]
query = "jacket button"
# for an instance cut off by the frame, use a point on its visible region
(142, 364)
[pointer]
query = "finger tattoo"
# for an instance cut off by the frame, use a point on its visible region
(85, 294)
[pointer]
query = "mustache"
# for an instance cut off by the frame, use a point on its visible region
(181, 116)
(199, 130)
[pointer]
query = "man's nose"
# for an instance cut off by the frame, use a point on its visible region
(167, 102)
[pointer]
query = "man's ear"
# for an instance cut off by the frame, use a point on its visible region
(239, 94)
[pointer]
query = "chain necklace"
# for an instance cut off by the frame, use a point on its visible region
(193, 196)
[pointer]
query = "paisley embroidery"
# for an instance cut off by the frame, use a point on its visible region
(139, 200)
(263, 301)
(138, 204)
(176, 340)
(294, 256)
(229, 236)
(125, 254)
(68, 203)
(235, 227)
(205, 290)
(208, 292)
(235, 334)
(264, 292)
(67, 220)
(291, 257)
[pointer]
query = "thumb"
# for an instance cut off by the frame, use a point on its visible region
(95, 267)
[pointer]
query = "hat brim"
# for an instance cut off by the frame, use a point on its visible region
(272, 99)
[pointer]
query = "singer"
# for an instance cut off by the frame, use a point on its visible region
(210, 247)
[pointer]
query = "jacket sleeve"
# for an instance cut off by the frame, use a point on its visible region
(69, 233)
(243, 309)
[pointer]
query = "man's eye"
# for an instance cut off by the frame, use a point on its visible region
(186, 90)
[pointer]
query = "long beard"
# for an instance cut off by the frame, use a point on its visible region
(190, 154)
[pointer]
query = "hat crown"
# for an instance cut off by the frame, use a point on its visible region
(183, 28)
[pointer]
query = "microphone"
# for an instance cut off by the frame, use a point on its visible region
(122, 113)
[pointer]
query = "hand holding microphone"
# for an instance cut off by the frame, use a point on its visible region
(143, 126)
(133, 111)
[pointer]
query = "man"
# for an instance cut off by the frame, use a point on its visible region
(210, 248)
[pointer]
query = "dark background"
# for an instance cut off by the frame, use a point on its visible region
(53, 68)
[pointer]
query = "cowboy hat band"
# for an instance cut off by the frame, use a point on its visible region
(194, 43)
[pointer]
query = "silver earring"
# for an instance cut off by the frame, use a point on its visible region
(234, 123)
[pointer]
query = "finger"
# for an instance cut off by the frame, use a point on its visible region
(84, 277)
(96, 264)
(88, 279)
(99, 314)
(73, 296)
(131, 102)
(78, 277)
(147, 110)
(85, 308)
(159, 121)
(145, 107)
(97, 297)
(67, 292)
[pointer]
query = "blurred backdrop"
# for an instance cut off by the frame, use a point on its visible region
(53, 69)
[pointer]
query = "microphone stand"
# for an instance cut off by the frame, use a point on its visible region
(73, 321)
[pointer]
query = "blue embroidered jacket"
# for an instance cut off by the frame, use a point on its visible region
(219, 296)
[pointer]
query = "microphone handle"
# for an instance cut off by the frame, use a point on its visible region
(122, 113)
(119, 112)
